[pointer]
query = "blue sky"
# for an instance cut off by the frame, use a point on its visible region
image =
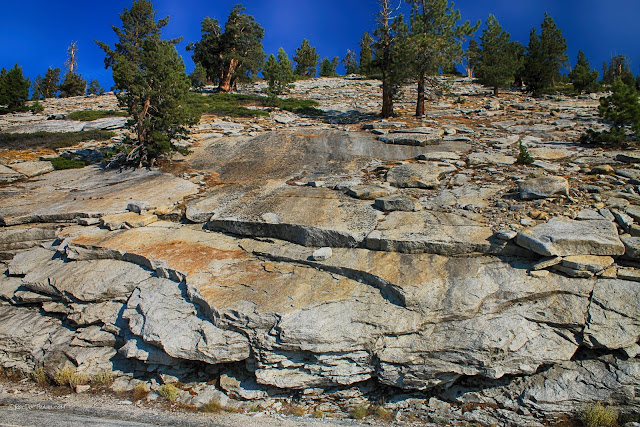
(36, 33)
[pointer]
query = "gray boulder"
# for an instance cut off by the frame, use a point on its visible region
(542, 188)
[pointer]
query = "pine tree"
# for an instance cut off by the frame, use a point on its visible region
(619, 67)
(151, 81)
(232, 55)
(278, 72)
(498, 60)
(584, 79)
(391, 55)
(94, 88)
(36, 92)
(350, 63)
(50, 82)
(306, 60)
(198, 77)
(326, 68)
(366, 54)
(14, 89)
(473, 57)
(546, 54)
(435, 40)
(72, 85)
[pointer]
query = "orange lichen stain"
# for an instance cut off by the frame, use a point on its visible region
(25, 155)
(188, 257)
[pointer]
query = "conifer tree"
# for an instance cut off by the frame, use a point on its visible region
(50, 82)
(151, 81)
(306, 59)
(391, 54)
(327, 68)
(232, 55)
(498, 60)
(584, 79)
(546, 54)
(366, 54)
(350, 62)
(619, 67)
(198, 77)
(95, 88)
(278, 72)
(435, 40)
(473, 57)
(14, 89)
(72, 85)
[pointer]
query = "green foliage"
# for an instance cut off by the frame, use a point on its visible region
(599, 415)
(359, 412)
(94, 88)
(14, 90)
(546, 54)
(391, 55)
(328, 68)
(524, 158)
(622, 109)
(37, 108)
(498, 60)
(152, 82)
(61, 163)
(91, 115)
(584, 79)
(366, 54)
(232, 55)
(72, 85)
(47, 86)
(350, 63)
(235, 105)
(51, 140)
(278, 73)
(306, 59)
(435, 41)
(473, 57)
(198, 77)
(169, 392)
(618, 67)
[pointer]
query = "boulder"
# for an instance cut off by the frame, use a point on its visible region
(542, 188)
(397, 203)
(31, 169)
(564, 237)
(423, 175)
(416, 139)
(368, 192)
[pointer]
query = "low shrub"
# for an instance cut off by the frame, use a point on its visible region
(524, 158)
(359, 412)
(213, 406)
(40, 377)
(61, 163)
(51, 140)
(104, 378)
(599, 415)
(91, 115)
(140, 391)
(169, 392)
(69, 377)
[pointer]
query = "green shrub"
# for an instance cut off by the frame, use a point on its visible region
(359, 412)
(169, 392)
(235, 105)
(91, 115)
(383, 414)
(50, 140)
(61, 163)
(599, 415)
(524, 158)
(37, 108)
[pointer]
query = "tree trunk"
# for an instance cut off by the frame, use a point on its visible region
(420, 103)
(227, 76)
(495, 91)
(387, 99)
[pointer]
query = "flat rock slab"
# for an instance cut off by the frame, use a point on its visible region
(564, 237)
(33, 168)
(8, 175)
(337, 220)
(368, 192)
(397, 202)
(430, 232)
(542, 188)
(479, 159)
(68, 194)
(422, 175)
(416, 139)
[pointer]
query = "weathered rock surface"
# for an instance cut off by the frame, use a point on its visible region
(424, 175)
(562, 237)
(542, 188)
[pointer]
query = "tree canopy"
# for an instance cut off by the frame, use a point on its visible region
(546, 55)
(584, 79)
(14, 89)
(278, 72)
(306, 59)
(498, 58)
(232, 55)
(152, 83)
